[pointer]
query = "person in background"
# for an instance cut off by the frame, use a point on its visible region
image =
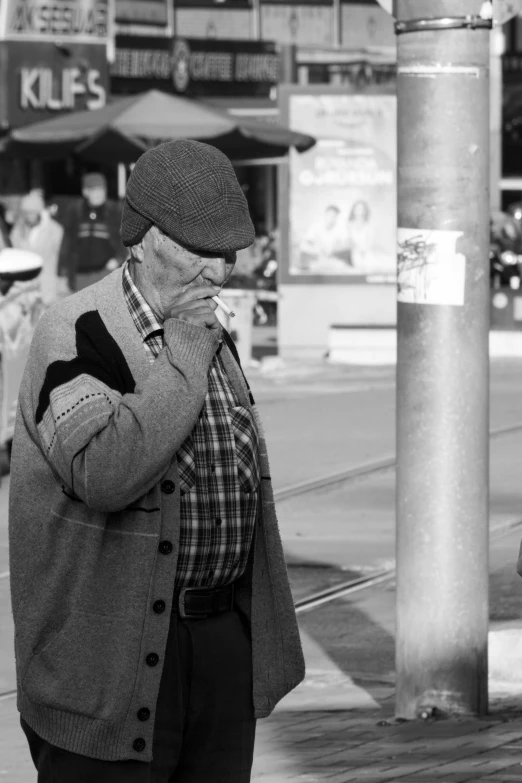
(5, 239)
(36, 230)
(359, 233)
(20, 308)
(321, 239)
(93, 248)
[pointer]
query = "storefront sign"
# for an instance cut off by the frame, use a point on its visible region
(40, 90)
(195, 66)
(142, 12)
(41, 82)
(221, 22)
(342, 197)
(303, 25)
(81, 21)
(365, 25)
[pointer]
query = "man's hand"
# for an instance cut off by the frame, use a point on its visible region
(196, 307)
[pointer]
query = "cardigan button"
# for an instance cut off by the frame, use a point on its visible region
(143, 714)
(165, 547)
(159, 606)
(168, 487)
(139, 744)
(152, 659)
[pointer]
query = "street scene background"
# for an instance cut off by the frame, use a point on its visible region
(302, 97)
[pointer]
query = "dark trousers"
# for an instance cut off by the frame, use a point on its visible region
(205, 727)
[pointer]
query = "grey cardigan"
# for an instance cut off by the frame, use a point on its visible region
(95, 440)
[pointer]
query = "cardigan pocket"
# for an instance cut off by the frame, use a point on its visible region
(88, 668)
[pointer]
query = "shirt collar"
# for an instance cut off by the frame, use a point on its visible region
(147, 323)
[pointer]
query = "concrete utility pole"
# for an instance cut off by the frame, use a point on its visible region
(443, 366)
(495, 123)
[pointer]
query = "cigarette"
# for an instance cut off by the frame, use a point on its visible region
(223, 306)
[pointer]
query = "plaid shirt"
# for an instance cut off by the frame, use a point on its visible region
(218, 468)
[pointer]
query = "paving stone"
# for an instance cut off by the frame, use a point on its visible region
(356, 754)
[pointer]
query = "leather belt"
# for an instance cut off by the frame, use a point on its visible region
(201, 602)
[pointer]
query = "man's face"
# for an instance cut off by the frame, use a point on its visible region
(96, 197)
(31, 217)
(173, 269)
(331, 218)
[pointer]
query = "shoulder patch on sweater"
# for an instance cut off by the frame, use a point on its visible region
(97, 354)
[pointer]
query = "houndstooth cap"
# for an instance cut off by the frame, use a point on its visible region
(191, 192)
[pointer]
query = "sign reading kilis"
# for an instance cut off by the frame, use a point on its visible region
(81, 21)
(38, 81)
(195, 66)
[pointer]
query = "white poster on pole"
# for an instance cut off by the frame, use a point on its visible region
(430, 270)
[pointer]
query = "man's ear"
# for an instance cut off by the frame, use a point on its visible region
(137, 252)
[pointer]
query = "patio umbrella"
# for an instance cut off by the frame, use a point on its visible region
(124, 129)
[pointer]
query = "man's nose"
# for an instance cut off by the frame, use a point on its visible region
(215, 270)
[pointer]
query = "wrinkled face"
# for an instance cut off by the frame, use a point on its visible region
(95, 196)
(172, 269)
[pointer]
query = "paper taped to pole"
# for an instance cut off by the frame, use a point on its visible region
(430, 270)
(388, 5)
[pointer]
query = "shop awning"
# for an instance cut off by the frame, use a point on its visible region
(124, 129)
(257, 109)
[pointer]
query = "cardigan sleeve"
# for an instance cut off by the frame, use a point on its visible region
(109, 440)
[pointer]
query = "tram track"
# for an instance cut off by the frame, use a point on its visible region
(380, 577)
(363, 471)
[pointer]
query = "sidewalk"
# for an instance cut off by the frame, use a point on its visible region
(341, 747)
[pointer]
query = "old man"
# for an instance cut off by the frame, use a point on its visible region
(153, 616)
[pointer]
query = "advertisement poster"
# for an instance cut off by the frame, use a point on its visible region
(343, 191)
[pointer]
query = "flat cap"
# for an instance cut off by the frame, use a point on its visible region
(190, 191)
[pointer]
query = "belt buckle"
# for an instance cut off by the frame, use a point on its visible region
(181, 605)
(181, 602)
(202, 616)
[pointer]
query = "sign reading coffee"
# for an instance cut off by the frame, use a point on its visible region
(82, 21)
(190, 66)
